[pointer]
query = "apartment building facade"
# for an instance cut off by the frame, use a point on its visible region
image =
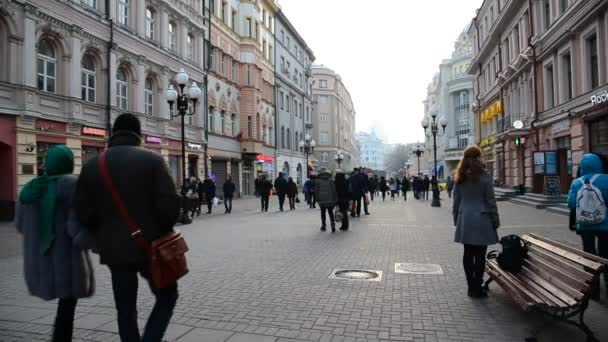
(333, 120)
(294, 98)
(371, 150)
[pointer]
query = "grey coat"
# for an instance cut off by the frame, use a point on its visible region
(66, 270)
(475, 212)
(325, 191)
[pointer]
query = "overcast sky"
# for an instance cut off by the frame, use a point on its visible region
(386, 51)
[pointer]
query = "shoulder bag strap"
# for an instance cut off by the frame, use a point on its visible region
(135, 232)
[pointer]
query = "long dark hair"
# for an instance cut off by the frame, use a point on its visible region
(470, 167)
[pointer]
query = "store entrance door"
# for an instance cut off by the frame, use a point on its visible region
(564, 168)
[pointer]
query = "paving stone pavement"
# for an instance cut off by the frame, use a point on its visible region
(264, 277)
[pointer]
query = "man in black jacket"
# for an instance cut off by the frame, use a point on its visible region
(265, 187)
(147, 190)
(229, 189)
(280, 186)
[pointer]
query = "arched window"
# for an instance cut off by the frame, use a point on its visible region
(288, 139)
(47, 66)
(223, 122)
(172, 35)
(123, 12)
(285, 169)
(282, 137)
(249, 126)
(88, 79)
(190, 47)
(234, 127)
(264, 136)
(150, 22)
(149, 96)
(121, 89)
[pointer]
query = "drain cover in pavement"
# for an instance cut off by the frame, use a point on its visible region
(356, 274)
(418, 268)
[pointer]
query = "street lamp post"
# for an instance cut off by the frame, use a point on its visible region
(419, 151)
(434, 124)
(339, 157)
(182, 101)
(307, 146)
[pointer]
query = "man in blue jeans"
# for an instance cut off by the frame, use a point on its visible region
(142, 180)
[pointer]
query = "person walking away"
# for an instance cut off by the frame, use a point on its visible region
(365, 187)
(344, 196)
(313, 203)
(292, 192)
(55, 257)
(280, 186)
(357, 192)
(265, 190)
(592, 229)
(405, 187)
(229, 189)
(325, 190)
(373, 187)
(256, 184)
(475, 217)
(393, 187)
(398, 186)
(142, 180)
(307, 189)
(450, 186)
(210, 192)
(426, 184)
(383, 187)
(193, 197)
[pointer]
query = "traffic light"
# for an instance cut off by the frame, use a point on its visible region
(517, 142)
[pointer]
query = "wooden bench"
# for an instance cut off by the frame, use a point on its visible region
(556, 280)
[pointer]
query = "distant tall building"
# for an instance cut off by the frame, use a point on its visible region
(371, 150)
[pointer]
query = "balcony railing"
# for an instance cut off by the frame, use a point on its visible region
(462, 108)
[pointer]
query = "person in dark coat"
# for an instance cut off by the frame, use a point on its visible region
(344, 196)
(307, 189)
(280, 186)
(292, 192)
(209, 189)
(55, 258)
(475, 217)
(265, 187)
(405, 187)
(373, 186)
(357, 192)
(143, 181)
(325, 190)
(426, 184)
(365, 187)
(256, 184)
(229, 189)
(383, 186)
(450, 186)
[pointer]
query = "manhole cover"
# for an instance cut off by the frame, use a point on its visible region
(418, 268)
(356, 274)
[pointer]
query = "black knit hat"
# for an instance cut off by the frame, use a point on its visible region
(127, 122)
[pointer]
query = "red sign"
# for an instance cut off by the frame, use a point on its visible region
(153, 140)
(94, 131)
(265, 158)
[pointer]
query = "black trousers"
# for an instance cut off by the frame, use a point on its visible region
(125, 283)
(264, 199)
(330, 212)
(405, 194)
(383, 195)
(281, 200)
(64, 321)
(596, 243)
(371, 195)
(343, 204)
(292, 202)
(228, 203)
(474, 262)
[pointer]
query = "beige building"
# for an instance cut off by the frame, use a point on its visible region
(333, 120)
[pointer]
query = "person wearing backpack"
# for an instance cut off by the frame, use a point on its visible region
(587, 196)
(475, 217)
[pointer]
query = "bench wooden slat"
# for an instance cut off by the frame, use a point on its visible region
(571, 249)
(564, 297)
(574, 257)
(550, 281)
(524, 303)
(552, 299)
(516, 286)
(576, 272)
(557, 270)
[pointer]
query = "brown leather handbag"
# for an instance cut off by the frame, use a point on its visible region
(167, 255)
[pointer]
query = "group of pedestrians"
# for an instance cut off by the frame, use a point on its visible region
(62, 217)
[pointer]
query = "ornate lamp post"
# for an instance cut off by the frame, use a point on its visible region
(307, 146)
(419, 151)
(434, 124)
(339, 157)
(182, 101)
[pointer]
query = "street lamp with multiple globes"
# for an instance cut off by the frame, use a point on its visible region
(307, 146)
(182, 101)
(419, 151)
(339, 157)
(434, 124)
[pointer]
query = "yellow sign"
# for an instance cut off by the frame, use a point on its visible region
(491, 111)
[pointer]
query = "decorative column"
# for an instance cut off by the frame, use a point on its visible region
(112, 80)
(164, 26)
(140, 21)
(140, 83)
(29, 46)
(75, 62)
(164, 80)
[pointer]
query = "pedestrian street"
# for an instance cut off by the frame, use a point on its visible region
(267, 277)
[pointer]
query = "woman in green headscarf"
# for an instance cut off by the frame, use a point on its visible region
(56, 261)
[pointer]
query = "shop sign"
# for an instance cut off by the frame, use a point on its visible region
(93, 131)
(487, 141)
(153, 140)
(560, 126)
(600, 98)
(264, 158)
(194, 146)
(453, 155)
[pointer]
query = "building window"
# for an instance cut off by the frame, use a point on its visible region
(249, 78)
(323, 84)
(123, 12)
(88, 79)
(323, 99)
(324, 137)
(248, 28)
(563, 6)
(223, 122)
(282, 137)
(547, 13)
(150, 18)
(324, 117)
(47, 67)
(234, 126)
(281, 103)
(233, 20)
(249, 126)
(90, 3)
(567, 70)
(549, 88)
(172, 33)
(149, 97)
(288, 138)
(282, 36)
(223, 12)
(121, 89)
(264, 49)
(211, 120)
(594, 72)
(324, 157)
(190, 47)
(287, 103)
